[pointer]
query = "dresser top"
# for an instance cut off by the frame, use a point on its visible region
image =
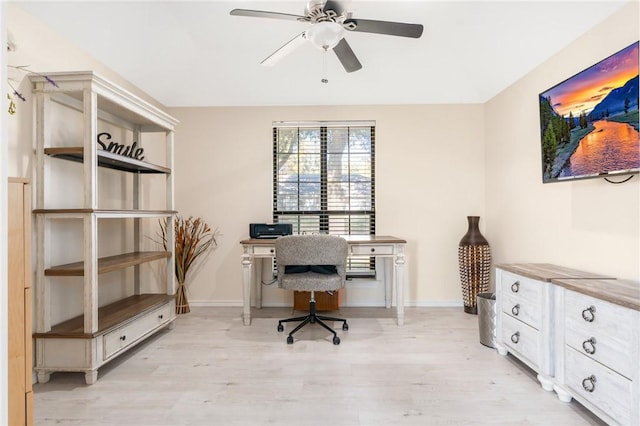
(621, 292)
(547, 271)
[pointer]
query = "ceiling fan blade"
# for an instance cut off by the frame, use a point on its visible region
(346, 56)
(384, 27)
(334, 6)
(283, 51)
(265, 14)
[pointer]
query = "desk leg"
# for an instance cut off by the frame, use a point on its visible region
(246, 288)
(259, 265)
(399, 260)
(388, 281)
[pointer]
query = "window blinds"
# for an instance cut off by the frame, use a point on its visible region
(324, 179)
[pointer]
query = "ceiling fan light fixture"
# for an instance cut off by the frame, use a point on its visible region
(328, 21)
(325, 35)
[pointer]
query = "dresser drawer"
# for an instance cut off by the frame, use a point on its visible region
(527, 311)
(130, 333)
(372, 250)
(599, 385)
(600, 330)
(523, 339)
(520, 287)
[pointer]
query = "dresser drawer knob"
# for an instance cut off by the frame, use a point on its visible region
(515, 287)
(589, 346)
(160, 316)
(123, 338)
(515, 337)
(589, 384)
(589, 314)
(373, 250)
(515, 310)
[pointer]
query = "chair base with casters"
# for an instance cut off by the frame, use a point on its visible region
(313, 318)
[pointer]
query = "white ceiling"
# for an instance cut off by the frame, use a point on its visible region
(193, 53)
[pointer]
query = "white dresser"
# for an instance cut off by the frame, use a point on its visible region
(525, 312)
(597, 336)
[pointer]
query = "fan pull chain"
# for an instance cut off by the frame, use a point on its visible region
(324, 67)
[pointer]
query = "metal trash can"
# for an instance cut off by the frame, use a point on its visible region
(487, 318)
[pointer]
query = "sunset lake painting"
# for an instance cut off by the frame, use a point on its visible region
(589, 123)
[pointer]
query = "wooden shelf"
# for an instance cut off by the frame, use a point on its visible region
(107, 214)
(109, 316)
(108, 160)
(107, 264)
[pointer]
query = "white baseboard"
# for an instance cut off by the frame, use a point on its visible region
(434, 303)
(409, 303)
(216, 303)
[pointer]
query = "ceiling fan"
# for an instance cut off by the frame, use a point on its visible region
(329, 22)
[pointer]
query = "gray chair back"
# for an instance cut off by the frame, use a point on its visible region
(320, 249)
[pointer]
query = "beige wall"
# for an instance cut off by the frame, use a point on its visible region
(43, 50)
(590, 224)
(429, 177)
(431, 173)
(65, 189)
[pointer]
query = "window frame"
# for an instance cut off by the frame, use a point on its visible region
(361, 267)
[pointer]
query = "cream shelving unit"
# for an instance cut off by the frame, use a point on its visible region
(105, 329)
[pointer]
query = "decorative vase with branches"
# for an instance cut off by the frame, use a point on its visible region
(193, 238)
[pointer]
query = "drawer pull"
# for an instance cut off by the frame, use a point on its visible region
(515, 310)
(589, 384)
(123, 338)
(272, 251)
(589, 346)
(160, 316)
(589, 314)
(373, 250)
(515, 337)
(515, 287)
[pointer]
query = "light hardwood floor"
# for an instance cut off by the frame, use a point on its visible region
(212, 370)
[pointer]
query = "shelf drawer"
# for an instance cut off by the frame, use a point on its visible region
(520, 287)
(601, 386)
(128, 334)
(523, 339)
(600, 327)
(372, 250)
(264, 251)
(527, 311)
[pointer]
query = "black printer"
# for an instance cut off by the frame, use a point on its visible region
(269, 230)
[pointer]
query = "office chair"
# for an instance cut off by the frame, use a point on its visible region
(311, 263)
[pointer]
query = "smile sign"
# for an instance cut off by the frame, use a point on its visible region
(104, 140)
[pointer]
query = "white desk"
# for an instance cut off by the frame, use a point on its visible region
(390, 249)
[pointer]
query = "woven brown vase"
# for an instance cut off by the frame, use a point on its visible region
(474, 260)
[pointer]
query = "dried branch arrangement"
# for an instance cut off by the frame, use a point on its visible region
(193, 238)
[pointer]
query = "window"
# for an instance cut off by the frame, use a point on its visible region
(324, 180)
